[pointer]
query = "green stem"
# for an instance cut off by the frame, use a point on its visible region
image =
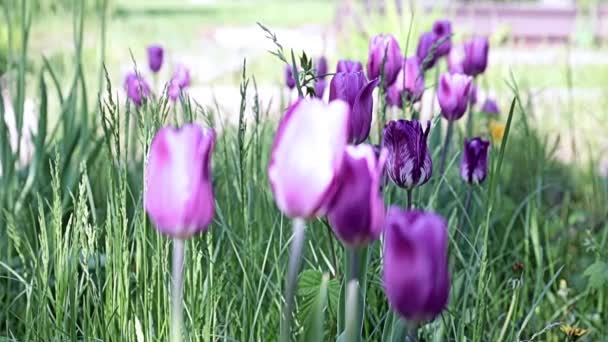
(408, 203)
(295, 259)
(356, 274)
(470, 114)
(412, 332)
(177, 319)
(446, 147)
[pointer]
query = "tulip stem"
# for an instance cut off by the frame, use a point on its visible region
(412, 332)
(446, 147)
(295, 259)
(177, 290)
(353, 262)
(408, 203)
(332, 245)
(470, 114)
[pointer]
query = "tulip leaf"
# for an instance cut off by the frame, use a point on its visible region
(310, 285)
(598, 274)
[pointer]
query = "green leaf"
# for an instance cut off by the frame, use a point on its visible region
(597, 273)
(310, 284)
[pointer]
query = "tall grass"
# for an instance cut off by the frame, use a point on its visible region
(81, 261)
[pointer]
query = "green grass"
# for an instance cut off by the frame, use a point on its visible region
(79, 259)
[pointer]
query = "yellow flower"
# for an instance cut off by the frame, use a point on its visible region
(572, 332)
(497, 130)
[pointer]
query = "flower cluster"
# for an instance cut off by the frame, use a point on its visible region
(138, 89)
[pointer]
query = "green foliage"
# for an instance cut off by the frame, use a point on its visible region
(598, 274)
(79, 259)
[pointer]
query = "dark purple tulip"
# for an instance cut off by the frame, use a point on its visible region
(182, 75)
(349, 66)
(474, 163)
(475, 56)
(415, 272)
(178, 194)
(443, 31)
(453, 95)
(409, 83)
(321, 67)
(155, 57)
(356, 212)
(490, 107)
(384, 48)
(409, 161)
(320, 86)
(290, 81)
(137, 88)
(307, 155)
(426, 57)
(354, 88)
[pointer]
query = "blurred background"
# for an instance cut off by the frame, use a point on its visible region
(557, 50)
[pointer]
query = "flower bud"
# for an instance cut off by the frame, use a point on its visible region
(415, 270)
(182, 75)
(453, 95)
(409, 161)
(490, 107)
(474, 163)
(155, 57)
(290, 81)
(137, 88)
(307, 155)
(353, 88)
(443, 30)
(356, 212)
(475, 56)
(321, 67)
(409, 83)
(384, 49)
(178, 194)
(427, 57)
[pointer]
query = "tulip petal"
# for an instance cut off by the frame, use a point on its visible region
(307, 154)
(178, 193)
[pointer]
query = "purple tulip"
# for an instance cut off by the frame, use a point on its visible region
(426, 56)
(307, 155)
(456, 59)
(474, 163)
(409, 83)
(415, 272)
(182, 75)
(349, 66)
(155, 57)
(490, 107)
(178, 194)
(453, 95)
(174, 90)
(409, 161)
(321, 67)
(353, 88)
(443, 30)
(356, 212)
(320, 85)
(290, 81)
(475, 56)
(384, 48)
(137, 88)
